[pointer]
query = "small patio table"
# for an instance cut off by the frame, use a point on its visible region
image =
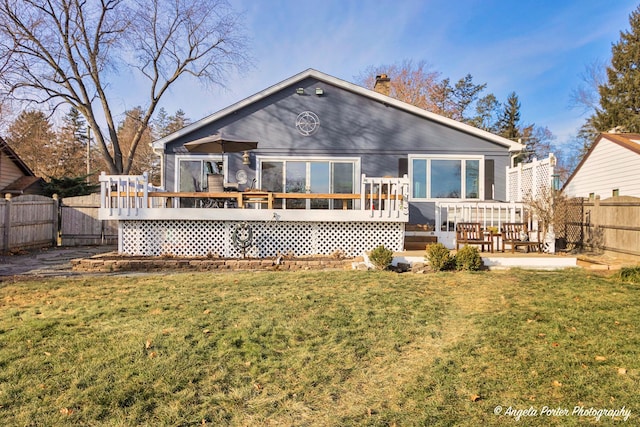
(256, 196)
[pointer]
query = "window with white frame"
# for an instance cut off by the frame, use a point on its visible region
(446, 177)
(309, 175)
(192, 171)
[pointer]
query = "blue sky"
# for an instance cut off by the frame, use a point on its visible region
(538, 49)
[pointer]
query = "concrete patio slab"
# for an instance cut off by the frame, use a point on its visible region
(503, 260)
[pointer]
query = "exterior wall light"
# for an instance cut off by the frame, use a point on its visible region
(300, 91)
(245, 158)
(319, 91)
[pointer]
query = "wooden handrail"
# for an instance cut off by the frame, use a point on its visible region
(260, 196)
(234, 195)
(336, 196)
(196, 194)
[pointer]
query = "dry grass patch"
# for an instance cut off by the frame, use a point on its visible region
(316, 348)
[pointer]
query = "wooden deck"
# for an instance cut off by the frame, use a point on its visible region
(132, 198)
(265, 198)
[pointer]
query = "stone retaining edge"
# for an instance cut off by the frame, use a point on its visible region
(107, 265)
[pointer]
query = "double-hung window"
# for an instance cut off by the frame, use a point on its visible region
(446, 177)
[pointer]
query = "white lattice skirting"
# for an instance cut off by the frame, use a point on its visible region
(214, 238)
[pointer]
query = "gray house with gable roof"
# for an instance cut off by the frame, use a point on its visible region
(320, 134)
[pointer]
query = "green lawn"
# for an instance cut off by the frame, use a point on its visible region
(320, 349)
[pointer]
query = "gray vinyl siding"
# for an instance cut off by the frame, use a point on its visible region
(351, 125)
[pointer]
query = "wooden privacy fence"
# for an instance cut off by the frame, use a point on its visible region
(79, 223)
(28, 222)
(38, 221)
(610, 225)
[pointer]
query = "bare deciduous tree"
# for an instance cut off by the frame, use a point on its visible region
(586, 96)
(144, 160)
(67, 51)
(417, 85)
(413, 84)
(549, 207)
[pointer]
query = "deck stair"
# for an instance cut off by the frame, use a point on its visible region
(418, 236)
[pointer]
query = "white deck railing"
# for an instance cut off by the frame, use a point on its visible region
(385, 196)
(129, 196)
(488, 214)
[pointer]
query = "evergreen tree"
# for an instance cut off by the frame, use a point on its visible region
(177, 121)
(454, 101)
(70, 187)
(76, 122)
(33, 139)
(165, 124)
(72, 145)
(509, 120)
(537, 140)
(160, 124)
(620, 95)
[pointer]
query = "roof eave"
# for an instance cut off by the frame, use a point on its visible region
(618, 139)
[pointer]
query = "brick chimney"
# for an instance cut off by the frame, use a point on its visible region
(383, 84)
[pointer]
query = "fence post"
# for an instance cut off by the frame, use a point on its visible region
(519, 185)
(535, 165)
(7, 223)
(509, 184)
(363, 187)
(56, 220)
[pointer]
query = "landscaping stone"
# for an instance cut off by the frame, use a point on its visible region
(113, 262)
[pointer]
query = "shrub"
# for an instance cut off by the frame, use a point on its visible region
(629, 274)
(381, 257)
(69, 187)
(468, 258)
(439, 257)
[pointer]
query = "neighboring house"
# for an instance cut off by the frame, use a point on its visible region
(610, 168)
(16, 178)
(319, 134)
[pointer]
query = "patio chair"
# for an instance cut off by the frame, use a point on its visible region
(518, 234)
(471, 233)
(215, 183)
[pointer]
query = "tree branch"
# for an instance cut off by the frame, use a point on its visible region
(66, 50)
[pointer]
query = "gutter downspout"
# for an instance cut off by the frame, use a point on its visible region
(161, 155)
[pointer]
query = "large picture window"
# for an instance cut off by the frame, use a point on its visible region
(302, 175)
(445, 177)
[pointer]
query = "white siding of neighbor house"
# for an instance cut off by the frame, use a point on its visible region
(608, 167)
